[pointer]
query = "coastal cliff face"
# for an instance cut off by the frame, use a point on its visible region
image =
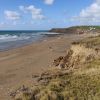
(63, 30)
(76, 29)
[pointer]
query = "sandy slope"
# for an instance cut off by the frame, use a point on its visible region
(18, 65)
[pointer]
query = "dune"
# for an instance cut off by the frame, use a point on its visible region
(74, 76)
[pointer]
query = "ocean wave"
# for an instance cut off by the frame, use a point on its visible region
(14, 39)
(49, 33)
(7, 37)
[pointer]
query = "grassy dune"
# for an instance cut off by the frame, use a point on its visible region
(75, 76)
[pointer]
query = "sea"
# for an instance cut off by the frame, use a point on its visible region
(14, 39)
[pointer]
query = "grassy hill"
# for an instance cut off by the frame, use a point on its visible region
(76, 29)
(86, 27)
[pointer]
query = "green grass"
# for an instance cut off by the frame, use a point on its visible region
(86, 27)
(91, 42)
(72, 87)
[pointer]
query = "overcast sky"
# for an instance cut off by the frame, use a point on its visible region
(47, 14)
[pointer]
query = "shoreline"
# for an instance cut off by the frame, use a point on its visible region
(26, 43)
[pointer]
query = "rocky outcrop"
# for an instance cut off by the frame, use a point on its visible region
(76, 56)
(64, 30)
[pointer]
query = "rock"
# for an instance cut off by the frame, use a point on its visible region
(57, 61)
(35, 76)
(63, 62)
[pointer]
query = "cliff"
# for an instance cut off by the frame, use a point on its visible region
(76, 29)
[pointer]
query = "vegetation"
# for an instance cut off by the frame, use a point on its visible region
(77, 79)
(86, 27)
(77, 30)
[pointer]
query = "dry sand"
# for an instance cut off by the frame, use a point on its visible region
(18, 65)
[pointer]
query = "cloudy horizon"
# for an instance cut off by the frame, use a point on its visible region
(46, 14)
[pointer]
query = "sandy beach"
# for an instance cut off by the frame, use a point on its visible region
(18, 65)
(50, 50)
